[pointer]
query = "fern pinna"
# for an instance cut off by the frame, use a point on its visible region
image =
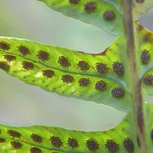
(121, 77)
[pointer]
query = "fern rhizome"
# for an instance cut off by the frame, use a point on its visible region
(121, 77)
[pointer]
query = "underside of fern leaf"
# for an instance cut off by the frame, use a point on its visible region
(53, 139)
(121, 77)
(68, 72)
(41, 139)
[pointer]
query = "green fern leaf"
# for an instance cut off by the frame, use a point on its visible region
(121, 76)
(104, 14)
(41, 139)
(146, 41)
(67, 72)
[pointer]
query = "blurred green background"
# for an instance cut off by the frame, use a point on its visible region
(22, 104)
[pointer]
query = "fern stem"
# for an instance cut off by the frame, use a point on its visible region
(135, 81)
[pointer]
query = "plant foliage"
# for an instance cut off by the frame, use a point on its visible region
(121, 77)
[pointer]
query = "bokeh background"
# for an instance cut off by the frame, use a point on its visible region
(22, 104)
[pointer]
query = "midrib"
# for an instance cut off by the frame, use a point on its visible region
(132, 53)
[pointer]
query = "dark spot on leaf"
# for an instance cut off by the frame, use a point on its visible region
(148, 80)
(16, 145)
(2, 140)
(83, 82)
(117, 92)
(140, 1)
(9, 58)
(23, 50)
(67, 78)
(84, 66)
(102, 68)
(90, 7)
(100, 85)
(92, 145)
(35, 150)
(4, 66)
(64, 62)
(48, 73)
(14, 134)
(128, 144)
(109, 15)
(152, 135)
(112, 146)
(145, 57)
(56, 141)
(27, 65)
(73, 143)
(4, 46)
(74, 1)
(36, 138)
(118, 68)
(42, 55)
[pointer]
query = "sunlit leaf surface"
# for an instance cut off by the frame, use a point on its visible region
(92, 77)
(53, 139)
(121, 77)
(41, 139)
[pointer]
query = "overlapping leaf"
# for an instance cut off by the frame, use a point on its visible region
(105, 14)
(90, 77)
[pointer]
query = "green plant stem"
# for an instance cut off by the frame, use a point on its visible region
(135, 81)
